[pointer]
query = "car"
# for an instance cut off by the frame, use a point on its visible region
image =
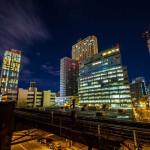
(50, 145)
(40, 139)
(34, 135)
(43, 141)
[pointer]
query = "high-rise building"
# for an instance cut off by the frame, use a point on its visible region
(138, 88)
(84, 48)
(103, 80)
(69, 68)
(10, 70)
(69, 72)
(148, 88)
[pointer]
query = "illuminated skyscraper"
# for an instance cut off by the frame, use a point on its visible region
(103, 80)
(10, 70)
(69, 71)
(139, 88)
(84, 48)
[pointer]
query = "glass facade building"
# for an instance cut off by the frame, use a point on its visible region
(103, 80)
(10, 70)
(139, 88)
(69, 72)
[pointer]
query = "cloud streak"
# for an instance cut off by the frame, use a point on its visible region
(25, 76)
(20, 24)
(38, 54)
(50, 70)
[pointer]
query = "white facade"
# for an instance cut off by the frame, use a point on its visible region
(34, 98)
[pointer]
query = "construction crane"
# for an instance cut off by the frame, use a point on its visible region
(147, 36)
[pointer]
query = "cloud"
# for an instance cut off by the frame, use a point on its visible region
(20, 24)
(50, 70)
(67, 3)
(41, 82)
(25, 75)
(24, 61)
(2, 53)
(38, 53)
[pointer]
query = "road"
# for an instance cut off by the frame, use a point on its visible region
(24, 140)
(27, 140)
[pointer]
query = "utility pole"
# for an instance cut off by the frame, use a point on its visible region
(99, 136)
(73, 113)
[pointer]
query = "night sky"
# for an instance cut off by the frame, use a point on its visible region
(45, 30)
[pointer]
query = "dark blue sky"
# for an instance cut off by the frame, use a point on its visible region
(45, 30)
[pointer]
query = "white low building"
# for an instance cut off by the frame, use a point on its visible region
(33, 98)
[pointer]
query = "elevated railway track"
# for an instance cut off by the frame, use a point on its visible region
(89, 130)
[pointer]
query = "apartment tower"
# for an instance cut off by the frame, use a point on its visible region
(84, 48)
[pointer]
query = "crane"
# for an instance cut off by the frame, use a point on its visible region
(147, 36)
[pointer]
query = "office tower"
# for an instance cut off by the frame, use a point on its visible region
(84, 48)
(10, 70)
(148, 88)
(103, 80)
(69, 71)
(138, 88)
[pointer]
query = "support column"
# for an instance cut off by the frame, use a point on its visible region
(135, 140)
(70, 143)
(90, 147)
(67, 143)
(99, 136)
(60, 127)
(52, 116)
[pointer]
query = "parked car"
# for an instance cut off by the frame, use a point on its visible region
(34, 135)
(41, 139)
(50, 145)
